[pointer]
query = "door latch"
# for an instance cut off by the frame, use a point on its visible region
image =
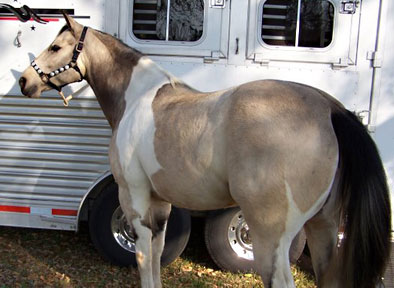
(348, 7)
(217, 4)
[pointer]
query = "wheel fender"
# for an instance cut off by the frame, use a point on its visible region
(92, 192)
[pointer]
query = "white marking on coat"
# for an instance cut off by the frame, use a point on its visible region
(135, 135)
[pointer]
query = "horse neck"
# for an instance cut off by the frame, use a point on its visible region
(109, 66)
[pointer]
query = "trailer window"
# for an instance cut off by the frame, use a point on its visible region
(297, 23)
(168, 20)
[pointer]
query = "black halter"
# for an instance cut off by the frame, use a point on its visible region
(46, 77)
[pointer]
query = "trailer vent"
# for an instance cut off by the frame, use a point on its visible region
(297, 23)
(144, 19)
(168, 20)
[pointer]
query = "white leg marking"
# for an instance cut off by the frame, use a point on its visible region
(135, 202)
(140, 204)
(143, 253)
(135, 205)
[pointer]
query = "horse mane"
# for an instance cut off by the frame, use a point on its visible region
(117, 46)
(126, 53)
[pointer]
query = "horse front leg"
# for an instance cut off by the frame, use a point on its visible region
(135, 202)
(143, 252)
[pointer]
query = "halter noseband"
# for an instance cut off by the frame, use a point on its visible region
(46, 77)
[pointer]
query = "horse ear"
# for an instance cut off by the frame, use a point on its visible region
(73, 25)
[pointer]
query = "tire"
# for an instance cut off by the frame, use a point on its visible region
(228, 242)
(111, 234)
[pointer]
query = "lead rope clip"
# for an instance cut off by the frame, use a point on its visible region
(65, 99)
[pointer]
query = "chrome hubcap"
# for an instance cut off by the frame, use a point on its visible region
(121, 231)
(239, 237)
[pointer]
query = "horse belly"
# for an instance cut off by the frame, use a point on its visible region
(193, 171)
(191, 189)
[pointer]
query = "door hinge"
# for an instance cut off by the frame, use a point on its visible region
(215, 56)
(376, 58)
(365, 117)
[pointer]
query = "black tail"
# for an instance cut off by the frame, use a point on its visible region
(365, 202)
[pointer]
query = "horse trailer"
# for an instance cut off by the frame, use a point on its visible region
(54, 168)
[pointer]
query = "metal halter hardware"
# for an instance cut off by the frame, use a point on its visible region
(46, 77)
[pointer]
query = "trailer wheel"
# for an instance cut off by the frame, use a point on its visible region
(112, 236)
(229, 244)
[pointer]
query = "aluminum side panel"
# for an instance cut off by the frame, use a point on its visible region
(50, 155)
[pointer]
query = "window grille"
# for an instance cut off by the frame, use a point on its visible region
(168, 20)
(297, 23)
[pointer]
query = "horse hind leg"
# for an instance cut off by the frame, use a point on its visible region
(322, 236)
(271, 245)
(275, 219)
(322, 239)
(271, 235)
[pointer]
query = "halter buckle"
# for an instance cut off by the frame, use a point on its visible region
(44, 78)
(79, 46)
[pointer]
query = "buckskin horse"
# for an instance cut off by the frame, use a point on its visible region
(289, 155)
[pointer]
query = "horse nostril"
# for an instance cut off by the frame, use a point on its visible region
(22, 83)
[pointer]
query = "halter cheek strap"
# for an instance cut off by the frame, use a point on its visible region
(46, 77)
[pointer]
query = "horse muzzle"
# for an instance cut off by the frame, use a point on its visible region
(22, 84)
(28, 89)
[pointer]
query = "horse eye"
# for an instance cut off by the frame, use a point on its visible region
(55, 48)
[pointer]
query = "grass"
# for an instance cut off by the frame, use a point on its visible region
(44, 258)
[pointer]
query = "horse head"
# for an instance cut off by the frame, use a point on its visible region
(60, 64)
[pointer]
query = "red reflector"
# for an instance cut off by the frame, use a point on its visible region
(17, 209)
(64, 212)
